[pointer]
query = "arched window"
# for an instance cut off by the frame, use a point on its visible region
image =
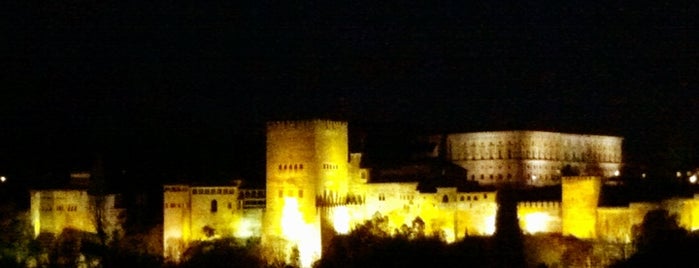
(445, 199)
(214, 205)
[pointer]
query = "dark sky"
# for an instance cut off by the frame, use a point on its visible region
(172, 88)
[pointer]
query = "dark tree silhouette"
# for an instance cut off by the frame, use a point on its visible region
(508, 243)
(568, 170)
(661, 242)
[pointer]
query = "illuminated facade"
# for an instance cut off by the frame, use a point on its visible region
(208, 212)
(316, 189)
(534, 158)
(54, 210)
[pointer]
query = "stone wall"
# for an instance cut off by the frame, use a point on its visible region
(539, 217)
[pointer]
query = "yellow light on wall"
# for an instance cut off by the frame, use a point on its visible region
(490, 225)
(341, 220)
(244, 229)
(298, 233)
(292, 222)
(536, 222)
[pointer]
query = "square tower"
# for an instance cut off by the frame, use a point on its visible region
(307, 162)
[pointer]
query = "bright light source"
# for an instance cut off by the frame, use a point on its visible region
(679, 174)
(341, 220)
(643, 175)
(534, 177)
(490, 225)
(299, 233)
(616, 173)
(693, 179)
(536, 222)
(3, 179)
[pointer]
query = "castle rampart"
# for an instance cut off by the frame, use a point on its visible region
(539, 217)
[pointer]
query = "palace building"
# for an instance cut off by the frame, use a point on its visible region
(316, 188)
(532, 157)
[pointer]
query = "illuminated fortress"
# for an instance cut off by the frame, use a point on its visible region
(316, 188)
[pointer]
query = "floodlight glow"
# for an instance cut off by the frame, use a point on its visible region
(693, 179)
(341, 220)
(536, 222)
(490, 225)
(298, 232)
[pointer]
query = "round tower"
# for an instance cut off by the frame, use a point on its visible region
(306, 164)
(579, 200)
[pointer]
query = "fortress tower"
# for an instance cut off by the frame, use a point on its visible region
(306, 164)
(176, 220)
(580, 197)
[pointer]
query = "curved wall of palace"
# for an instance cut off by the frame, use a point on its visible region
(532, 157)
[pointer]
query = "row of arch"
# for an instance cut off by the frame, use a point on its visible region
(284, 167)
(536, 155)
(555, 149)
(509, 177)
(470, 197)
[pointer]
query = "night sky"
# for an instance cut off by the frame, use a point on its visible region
(163, 90)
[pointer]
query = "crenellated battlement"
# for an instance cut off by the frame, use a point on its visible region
(539, 204)
(580, 178)
(307, 124)
(334, 200)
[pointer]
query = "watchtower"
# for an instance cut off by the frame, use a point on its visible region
(580, 197)
(306, 164)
